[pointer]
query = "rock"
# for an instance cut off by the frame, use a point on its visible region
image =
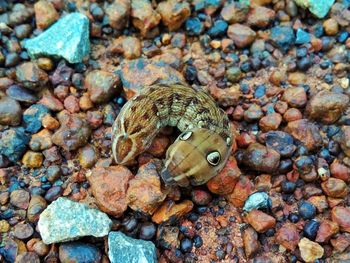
(118, 13)
(65, 220)
(326, 230)
(13, 143)
(218, 29)
(330, 27)
(302, 37)
(288, 236)
(45, 14)
(41, 140)
(143, 16)
(260, 158)
(260, 221)
(45, 64)
(327, 106)
(31, 76)
(283, 37)
(71, 103)
(307, 210)
(194, 27)
(50, 123)
(172, 211)
(341, 215)
(341, 243)
(88, 156)
(27, 257)
(130, 47)
(4, 226)
(344, 139)
(235, 12)
(101, 85)
(159, 146)
(260, 16)
(270, 122)
(340, 171)
(173, 13)
(233, 74)
(10, 111)
(36, 205)
(20, 198)
(62, 75)
(122, 248)
(242, 190)
(109, 186)
(309, 250)
(281, 142)
(32, 117)
(250, 242)
(67, 38)
(23, 231)
(76, 252)
(295, 97)
(145, 192)
(241, 35)
(340, 13)
(225, 181)
(292, 114)
(306, 132)
(257, 200)
(200, 197)
(138, 73)
(53, 193)
(310, 229)
(335, 188)
(318, 8)
(73, 133)
(51, 102)
(21, 94)
(32, 159)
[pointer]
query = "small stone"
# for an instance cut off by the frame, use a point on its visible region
(326, 230)
(159, 146)
(200, 197)
(235, 12)
(218, 29)
(341, 215)
(194, 27)
(283, 37)
(88, 156)
(51, 102)
(295, 97)
(118, 13)
(39, 247)
(270, 122)
(101, 85)
(64, 220)
(144, 17)
(331, 27)
(145, 191)
(85, 103)
(13, 143)
(307, 210)
(309, 250)
(288, 236)
(71, 103)
(260, 16)
(45, 64)
(253, 113)
(23, 231)
(173, 13)
(297, 78)
(10, 111)
(45, 14)
(53, 193)
(27, 257)
(31, 76)
(340, 171)
(241, 35)
(260, 221)
(122, 248)
(67, 38)
(130, 47)
(36, 205)
(335, 188)
(257, 200)
(41, 140)
(327, 106)
(292, 114)
(75, 252)
(302, 37)
(233, 74)
(306, 132)
(242, 190)
(250, 242)
(32, 117)
(20, 198)
(62, 75)
(341, 243)
(261, 158)
(4, 226)
(32, 159)
(113, 180)
(50, 123)
(171, 210)
(147, 231)
(21, 94)
(310, 229)
(280, 141)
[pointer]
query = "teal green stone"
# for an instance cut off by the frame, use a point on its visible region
(67, 38)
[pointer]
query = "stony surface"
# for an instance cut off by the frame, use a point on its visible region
(65, 220)
(310, 251)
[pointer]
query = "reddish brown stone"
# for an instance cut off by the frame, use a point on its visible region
(341, 243)
(71, 103)
(159, 146)
(345, 140)
(326, 230)
(143, 16)
(335, 188)
(109, 186)
(270, 122)
(260, 221)
(171, 210)
(174, 13)
(250, 241)
(295, 97)
(241, 35)
(340, 171)
(320, 201)
(130, 47)
(45, 14)
(51, 102)
(260, 16)
(341, 215)
(20, 198)
(288, 236)
(292, 114)
(242, 190)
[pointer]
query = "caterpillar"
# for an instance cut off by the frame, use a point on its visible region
(199, 152)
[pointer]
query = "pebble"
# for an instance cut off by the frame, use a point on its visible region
(113, 180)
(194, 26)
(21, 94)
(326, 230)
(253, 113)
(201, 197)
(250, 242)
(330, 27)
(260, 221)
(335, 188)
(218, 29)
(173, 13)
(31, 76)
(241, 35)
(283, 37)
(53, 193)
(23, 231)
(27, 257)
(307, 210)
(130, 47)
(270, 122)
(41, 140)
(32, 159)
(147, 231)
(33, 116)
(170, 210)
(233, 74)
(13, 143)
(71, 103)
(51, 102)
(288, 236)
(186, 245)
(340, 171)
(302, 37)
(45, 14)
(126, 249)
(235, 12)
(118, 13)
(36, 205)
(260, 16)
(295, 97)
(310, 229)
(309, 250)
(280, 141)
(65, 220)
(341, 216)
(257, 200)
(144, 17)
(75, 252)
(10, 111)
(4, 226)
(88, 156)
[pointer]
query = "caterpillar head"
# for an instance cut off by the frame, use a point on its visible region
(195, 157)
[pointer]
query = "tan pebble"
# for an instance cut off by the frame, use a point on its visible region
(296, 78)
(50, 122)
(45, 64)
(215, 44)
(4, 226)
(309, 250)
(331, 27)
(32, 159)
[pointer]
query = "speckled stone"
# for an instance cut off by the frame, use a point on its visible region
(126, 249)
(65, 220)
(67, 38)
(256, 201)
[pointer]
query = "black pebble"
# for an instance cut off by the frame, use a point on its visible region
(310, 229)
(148, 230)
(307, 210)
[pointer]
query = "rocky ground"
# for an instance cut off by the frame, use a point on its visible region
(279, 68)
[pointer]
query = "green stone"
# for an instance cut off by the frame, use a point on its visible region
(67, 38)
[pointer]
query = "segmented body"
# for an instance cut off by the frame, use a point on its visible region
(141, 118)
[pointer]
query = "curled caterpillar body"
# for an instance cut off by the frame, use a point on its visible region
(198, 154)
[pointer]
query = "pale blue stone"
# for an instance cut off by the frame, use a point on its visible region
(320, 8)
(257, 200)
(67, 38)
(303, 37)
(124, 249)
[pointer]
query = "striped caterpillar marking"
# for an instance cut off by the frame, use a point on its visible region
(198, 154)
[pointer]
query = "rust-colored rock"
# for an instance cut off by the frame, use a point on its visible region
(241, 35)
(260, 221)
(144, 17)
(327, 106)
(326, 230)
(45, 14)
(174, 13)
(288, 236)
(235, 12)
(295, 97)
(159, 146)
(109, 187)
(250, 241)
(270, 122)
(335, 188)
(130, 47)
(344, 139)
(341, 243)
(32, 159)
(306, 132)
(339, 171)
(320, 201)
(260, 16)
(341, 215)
(172, 211)
(226, 180)
(118, 13)
(41, 140)
(242, 190)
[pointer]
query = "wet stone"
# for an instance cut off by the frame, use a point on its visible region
(41, 140)
(65, 220)
(171, 211)
(88, 156)
(295, 97)
(258, 200)
(250, 241)
(13, 143)
(326, 230)
(21, 94)
(282, 142)
(235, 12)
(31, 76)
(75, 252)
(310, 229)
(10, 111)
